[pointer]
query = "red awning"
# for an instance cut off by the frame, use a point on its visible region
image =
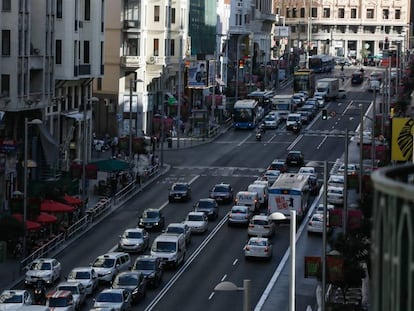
(72, 200)
(45, 218)
(30, 225)
(55, 207)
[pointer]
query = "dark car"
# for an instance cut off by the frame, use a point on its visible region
(133, 281)
(179, 191)
(222, 193)
(151, 267)
(278, 165)
(207, 206)
(152, 219)
(295, 158)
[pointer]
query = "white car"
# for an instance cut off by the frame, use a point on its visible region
(13, 299)
(336, 180)
(108, 265)
(60, 300)
(77, 290)
(319, 208)
(308, 170)
(271, 176)
(335, 195)
(315, 224)
(86, 276)
(197, 221)
(261, 225)
(320, 99)
(114, 299)
(180, 228)
(271, 121)
(134, 240)
(342, 93)
(352, 169)
(258, 247)
(239, 215)
(46, 269)
(366, 138)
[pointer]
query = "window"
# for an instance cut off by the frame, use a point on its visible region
(6, 6)
(370, 13)
(156, 13)
(287, 13)
(5, 85)
(341, 13)
(131, 47)
(156, 48)
(172, 15)
(246, 18)
(397, 14)
(353, 13)
(58, 52)
(59, 9)
(5, 42)
(302, 12)
(293, 29)
(86, 52)
(294, 13)
(314, 12)
(87, 10)
(172, 47)
(326, 12)
(385, 14)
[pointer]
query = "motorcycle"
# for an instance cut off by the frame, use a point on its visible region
(258, 136)
(262, 128)
(296, 128)
(39, 293)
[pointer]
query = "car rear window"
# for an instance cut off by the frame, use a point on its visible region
(261, 222)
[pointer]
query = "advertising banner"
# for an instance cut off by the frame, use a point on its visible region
(402, 139)
(197, 74)
(313, 266)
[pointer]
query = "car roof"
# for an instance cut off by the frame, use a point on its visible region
(69, 283)
(134, 230)
(261, 217)
(257, 238)
(14, 291)
(112, 290)
(196, 213)
(181, 183)
(335, 188)
(147, 258)
(58, 293)
(83, 269)
(177, 224)
(207, 200)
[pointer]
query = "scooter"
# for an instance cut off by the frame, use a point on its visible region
(296, 128)
(258, 136)
(39, 293)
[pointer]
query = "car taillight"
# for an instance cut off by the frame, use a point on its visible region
(247, 248)
(251, 226)
(266, 249)
(310, 223)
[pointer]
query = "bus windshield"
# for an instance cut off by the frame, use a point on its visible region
(243, 115)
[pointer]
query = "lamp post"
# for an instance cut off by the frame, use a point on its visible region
(26, 127)
(229, 286)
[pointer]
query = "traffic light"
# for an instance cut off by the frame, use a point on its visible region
(324, 114)
(241, 63)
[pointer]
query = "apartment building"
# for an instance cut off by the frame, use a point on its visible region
(353, 28)
(51, 51)
(144, 43)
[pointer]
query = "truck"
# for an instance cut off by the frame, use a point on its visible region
(283, 104)
(329, 86)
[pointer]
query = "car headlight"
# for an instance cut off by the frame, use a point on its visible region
(135, 291)
(156, 223)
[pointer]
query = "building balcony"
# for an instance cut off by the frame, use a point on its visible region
(132, 61)
(134, 24)
(266, 17)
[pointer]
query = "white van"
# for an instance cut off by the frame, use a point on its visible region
(292, 119)
(261, 190)
(248, 198)
(170, 247)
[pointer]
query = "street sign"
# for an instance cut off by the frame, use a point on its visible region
(282, 31)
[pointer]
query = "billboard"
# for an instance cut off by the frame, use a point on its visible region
(402, 139)
(198, 74)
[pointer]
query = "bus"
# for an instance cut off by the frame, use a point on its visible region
(263, 98)
(389, 57)
(247, 114)
(304, 80)
(321, 63)
(289, 192)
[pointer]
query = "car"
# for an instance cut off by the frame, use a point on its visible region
(261, 225)
(152, 219)
(46, 269)
(298, 99)
(60, 300)
(320, 99)
(133, 281)
(352, 169)
(197, 221)
(118, 299)
(239, 215)
(295, 158)
(208, 206)
(133, 240)
(180, 228)
(305, 116)
(307, 170)
(108, 265)
(77, 290)
(279, 165)
(271, 175)
(87, 276)
(335, 195)
(13, 299)
(258, 247)
(336, 180)
(366, 138)
(342, 93)
(320, 207)
(179, 191)
(310, 109)
(315, 224)
(151, 267)
(313, 102)
(222, 193)
(271, 121)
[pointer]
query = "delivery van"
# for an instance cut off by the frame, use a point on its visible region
(248, 198)
(261, 190)
(170, 247)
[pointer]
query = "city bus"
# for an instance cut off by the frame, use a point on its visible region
(247, 114)
(321, 63)
(289, 192)
(263, 98)
(304, 80)
(389, 57)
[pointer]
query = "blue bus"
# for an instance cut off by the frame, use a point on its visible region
(321, 63)
(246, 114)
(264, 98)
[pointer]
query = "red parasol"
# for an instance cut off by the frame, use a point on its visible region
(72, 200)
(45, 218)
(55, 207)
(30, 225)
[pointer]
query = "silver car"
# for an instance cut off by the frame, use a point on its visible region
(77, 290)
(116, 299)
(134, 240)
(239, 215)
(86, 276)
(46, 269)
(197, 221)
(261, 225)
(180, 228)
(13, 299)
(258, 247)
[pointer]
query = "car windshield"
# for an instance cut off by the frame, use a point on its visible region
(174, 230)
(150, 214)
(195, 218)
(238, 210)
(179, 188)
(270, 118)
(144, 265)
(261, 222)
(109, 297)
(11, 298)
(133, 235)
(56, 302)
(102, 262)
(220, 189)
(335, 191)
(203, 203)
(40, 265)
(80, 275)
(165, 247)
(127, 280)
(257, 242)
(72, 289)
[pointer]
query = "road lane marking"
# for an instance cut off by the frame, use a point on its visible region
(235, 262)
(244, 140)
(224, 277)
(211, 296)
(322, 142)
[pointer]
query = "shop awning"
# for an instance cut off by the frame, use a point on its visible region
(111, 165)
(72, 200)
(45, 218)
(55, 207)
(30, 225)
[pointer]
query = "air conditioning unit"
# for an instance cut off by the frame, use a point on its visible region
(151, 60)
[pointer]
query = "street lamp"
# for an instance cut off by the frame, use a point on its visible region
(231, 287)
(131, 86)
(25, 166)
